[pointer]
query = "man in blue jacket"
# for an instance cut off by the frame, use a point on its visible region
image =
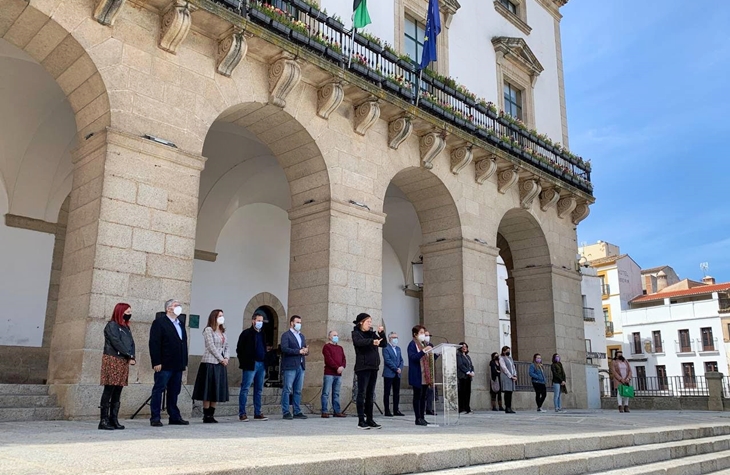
(392, 369)
(293, 350)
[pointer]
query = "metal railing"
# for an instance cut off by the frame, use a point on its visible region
(524, 381)
(310, 28)
(657, 348)
(609, 328)
(589, 314)
(707, 345)
(656, 386)
(636, 347)
(687, 346)
(724, 304)
(605, 289)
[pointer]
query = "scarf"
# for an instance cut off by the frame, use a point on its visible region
(427, 376)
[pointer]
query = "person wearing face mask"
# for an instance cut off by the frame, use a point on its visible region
(169, 356)
(334, 365)
(537, 374)
(465, 373)
(507, 378)
(558, 382)
(211, 384)
(251, 352)
(293, 352)
(431, 391)
(495, 386)
(118, 355)
(367, 363)
(621, 370)
(392, 370)
(420, 372)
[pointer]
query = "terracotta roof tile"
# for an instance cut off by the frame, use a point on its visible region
(703, 289)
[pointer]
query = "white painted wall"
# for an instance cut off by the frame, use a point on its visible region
(253, 257)
(590, 287)
(400, 312)
(505, 328)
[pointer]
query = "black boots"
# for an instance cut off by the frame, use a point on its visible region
(113, 416)
(104, 422)
(208, 415)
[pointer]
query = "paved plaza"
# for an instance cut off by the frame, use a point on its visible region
(317, 445)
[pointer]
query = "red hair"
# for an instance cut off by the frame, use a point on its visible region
(118, 314)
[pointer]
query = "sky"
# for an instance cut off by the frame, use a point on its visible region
(647, 92)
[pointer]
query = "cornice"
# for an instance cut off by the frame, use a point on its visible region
(553, 7)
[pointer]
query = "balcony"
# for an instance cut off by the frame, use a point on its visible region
(724, 304)
(707, 345)
(657, 347)
(685, 347)
(605, 290)
(609, 328)
(451, 105)
(589, 314)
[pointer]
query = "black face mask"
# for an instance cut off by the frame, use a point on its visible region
(127, 317)
(507, 354)
(621, 357)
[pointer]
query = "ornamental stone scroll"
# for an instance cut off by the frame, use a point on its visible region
(460, 158)
(485, 168)
(430, 145)
(506, 179)
(549, 198)
(175, 25)
(231, 50)
(398, 131)
(284, 75)
(366, 114)
(106, 11)
(329, 98)
(529, 190)
(566, 206)
(580, 213)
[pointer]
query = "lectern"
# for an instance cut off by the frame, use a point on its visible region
(448, 381)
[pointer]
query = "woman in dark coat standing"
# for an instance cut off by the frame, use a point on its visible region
(495, 386)
(367, 363)
(118, 355)
(420, 372)
(465, 373)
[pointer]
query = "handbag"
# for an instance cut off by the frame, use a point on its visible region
(625, 390)
(495, 385)
(564, 389)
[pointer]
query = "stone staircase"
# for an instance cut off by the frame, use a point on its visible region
(28, 402)
(675, 452)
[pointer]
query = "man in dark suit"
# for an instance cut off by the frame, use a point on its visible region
(392, 369)
(169, 355)
(293, 350)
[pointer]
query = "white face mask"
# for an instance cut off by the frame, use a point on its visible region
(421, 337)
(221, 320)
(177, 310)
(426, 338)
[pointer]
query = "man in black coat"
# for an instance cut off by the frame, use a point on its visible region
(169, 355)
(251, 352)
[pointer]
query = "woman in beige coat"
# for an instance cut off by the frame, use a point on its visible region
(621, 370)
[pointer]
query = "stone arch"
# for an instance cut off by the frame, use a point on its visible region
(524, 249)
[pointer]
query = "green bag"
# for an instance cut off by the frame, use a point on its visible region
(625, 390)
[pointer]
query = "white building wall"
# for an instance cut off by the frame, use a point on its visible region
(505, 328)
(400, 312)
(594, 331)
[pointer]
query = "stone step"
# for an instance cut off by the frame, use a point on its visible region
(23, 389)
(31, 414)
(692, 465)
(26, 401)
(608, 461)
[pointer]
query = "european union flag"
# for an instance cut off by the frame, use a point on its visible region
(433, 28)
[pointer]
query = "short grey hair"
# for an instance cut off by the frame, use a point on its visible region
(390, 335)
(169, 303)
(329, 333)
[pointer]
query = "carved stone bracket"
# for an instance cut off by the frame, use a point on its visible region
(284, 75)
(175, 25)
(366, 114)
(398, 131)
(430, 146)
(106, 11)
(566, 205)
(580, 213)
(548, 198)
(485, 168)
(231, 50)
(329, 98)
(529, 190)
(506, 179)
(460, 158)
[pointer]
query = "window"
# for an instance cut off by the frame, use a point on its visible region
(710, 366)
(413, 36)
(657, 340)
(688, 375)
(661, 376)
(605, 288)
(685, 346)
(708, 343)
(636, 344)
(509, 6)
(512, 100)
(589, 360)
(641, 378)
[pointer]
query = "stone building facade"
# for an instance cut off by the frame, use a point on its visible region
(150, 87)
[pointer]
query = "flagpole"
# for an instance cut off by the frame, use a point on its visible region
(352, 43)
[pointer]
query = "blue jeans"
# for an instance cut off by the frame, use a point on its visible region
(293, 382)
(257, 378)
(331, 382)
(556, 396)
(170, 381)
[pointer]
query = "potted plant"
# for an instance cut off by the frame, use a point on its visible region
(334, 52)
(375, 75)
(257, 14)
(407, 91)
(318, 43)
(448, 112)
(335, 22)
(470, 125)
(449, 85)
(405, 62)
(389, 53)
(359, 64)
(482, 133)
(392, 84)
(315, 12)
(300, 32)
(281, 27)
(374, 43)
(361, 39)
(459, 119)
(301, 5)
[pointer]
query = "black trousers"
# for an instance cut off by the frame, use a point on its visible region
(540, 393)
(389, 383)
(110, 395)
(419, 401)
(507, 399)
(366, 380)
(465, 395)
(496, 397)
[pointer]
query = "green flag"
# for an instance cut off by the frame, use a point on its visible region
(360, 16)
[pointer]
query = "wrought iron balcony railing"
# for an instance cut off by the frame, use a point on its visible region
(307, 26)
(609, 328)
(589, 314)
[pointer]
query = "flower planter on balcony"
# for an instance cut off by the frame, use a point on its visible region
(483, 134)
(259, 17)
(300, 37)
(375, 47)
(493, 139)
(391, 86)
(502, 121)
(407, 65)
(301, 6)
(390, 56)
(375, 76)
(335, 25)
(407, 92)
(506, 147)
(448, 115)
(470, 101)
(281, 28)
(361, 40)
(437, 84)
(470, 126)
(334, 55)
(459, 121)
(359, 68)
(317, 46)
(491, 114)
(316, 14)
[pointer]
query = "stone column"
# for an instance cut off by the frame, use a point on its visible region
(335, 273)
(130, 238)
(714, 386)
(460, 302)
